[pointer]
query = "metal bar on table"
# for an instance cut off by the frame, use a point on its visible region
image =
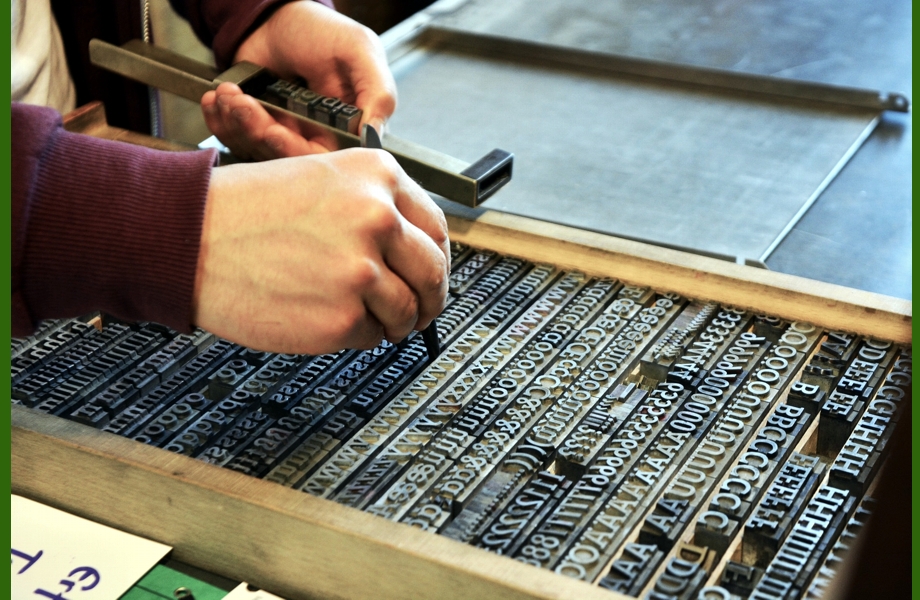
(857, 144)
(497, 46)
(454, 179)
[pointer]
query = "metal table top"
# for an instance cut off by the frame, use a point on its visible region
(858, 233)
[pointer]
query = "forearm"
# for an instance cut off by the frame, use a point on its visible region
(102, 225)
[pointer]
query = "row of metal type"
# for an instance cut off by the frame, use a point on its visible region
(773, 539)
(654, 445)
(735, 458)
(303, 101)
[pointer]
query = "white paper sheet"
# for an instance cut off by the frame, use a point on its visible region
(241, 592)
(57, 555)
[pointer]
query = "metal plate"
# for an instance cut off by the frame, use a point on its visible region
(715, 171)
(858, 233)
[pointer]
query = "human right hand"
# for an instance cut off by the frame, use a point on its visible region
(313, 254)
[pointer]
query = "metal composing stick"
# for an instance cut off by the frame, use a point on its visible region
(454, 179)
(371, 139)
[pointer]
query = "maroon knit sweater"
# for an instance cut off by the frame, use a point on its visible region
(103, 225)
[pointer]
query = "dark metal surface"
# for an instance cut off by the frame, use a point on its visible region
(859, 231)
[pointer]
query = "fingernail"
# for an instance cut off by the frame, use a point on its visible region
(274, 142)
(223, 99)
(241, 114)
(380, 126)
(210, 109)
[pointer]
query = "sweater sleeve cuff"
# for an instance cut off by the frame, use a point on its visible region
(234, 22)
(114, 227)
(236, 26)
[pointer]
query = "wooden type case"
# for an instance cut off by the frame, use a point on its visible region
(299, 546)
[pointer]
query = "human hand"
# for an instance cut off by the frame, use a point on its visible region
(314, 254)
(337, 56)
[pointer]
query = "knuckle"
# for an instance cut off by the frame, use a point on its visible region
(366, 37)
(327, 168)
(383, 218)
(387, 167)
(438, 280)
(345, 322)
(406, 311)
(372, 340)
(434, 285)
(387, 99)
(239, 101)
(361, 274)
(440, 234)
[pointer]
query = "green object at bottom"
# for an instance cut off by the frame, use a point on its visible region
(161, 581)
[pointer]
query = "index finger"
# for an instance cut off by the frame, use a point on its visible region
(418, 208)
(420, 254)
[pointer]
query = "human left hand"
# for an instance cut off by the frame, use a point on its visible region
(336, 55)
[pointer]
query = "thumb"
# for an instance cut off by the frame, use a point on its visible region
(377, 108)
(379, 124)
